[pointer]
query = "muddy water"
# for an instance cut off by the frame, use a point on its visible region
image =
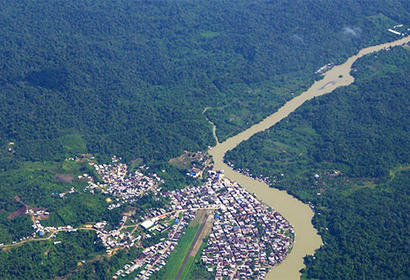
(297, 213)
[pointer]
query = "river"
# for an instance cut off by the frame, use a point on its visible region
(297, 213)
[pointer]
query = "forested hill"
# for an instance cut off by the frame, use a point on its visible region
(91, 78)
(348, 154)
(132, 77)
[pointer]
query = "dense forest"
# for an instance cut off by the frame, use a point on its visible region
(348, 154)
(133, 78)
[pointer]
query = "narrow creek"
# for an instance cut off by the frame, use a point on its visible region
(297, 213)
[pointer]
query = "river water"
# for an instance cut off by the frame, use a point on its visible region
(297, 213)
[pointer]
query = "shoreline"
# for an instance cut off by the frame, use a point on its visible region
(299, 214)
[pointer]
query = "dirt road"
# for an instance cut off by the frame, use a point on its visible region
(193, 245)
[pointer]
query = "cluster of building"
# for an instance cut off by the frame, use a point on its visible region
(399, 29)
(40, 230)
(246, 239)
(246, 246)
(62, 195)
(153, 258)
(122, 186)
(116, 239)
(325, 68)
(200, 161)
(37, 213)
(248, 173)
(153, 222)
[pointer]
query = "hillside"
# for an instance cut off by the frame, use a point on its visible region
(347, 154)
(132, 78)
(81, 81)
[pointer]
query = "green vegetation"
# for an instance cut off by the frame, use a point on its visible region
(73, 144)
(105, 267)
(355, 140)
(367, 235)
(132, 78)
(12, 229)
(188, 266)
(46, 260)
(175, 259)
(197, 269)
(174, 177)
(37, 184)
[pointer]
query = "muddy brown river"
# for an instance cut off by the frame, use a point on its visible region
(297, 213)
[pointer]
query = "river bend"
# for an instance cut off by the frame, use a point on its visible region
(297, 213)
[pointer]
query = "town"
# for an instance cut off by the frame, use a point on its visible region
(246, 237)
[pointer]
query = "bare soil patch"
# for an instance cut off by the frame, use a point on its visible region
(66, 178)
(18, 212)
(183, 161)
(204, 233)
(129, 211)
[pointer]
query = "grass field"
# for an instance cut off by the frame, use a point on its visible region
(188, 272)
(174, 261)
(73, 144)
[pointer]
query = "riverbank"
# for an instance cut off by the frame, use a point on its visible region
(298, 214)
